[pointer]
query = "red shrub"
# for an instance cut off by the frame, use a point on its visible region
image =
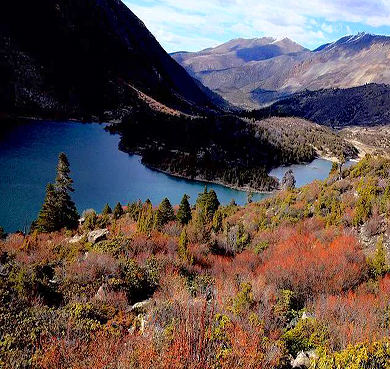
(308, 267)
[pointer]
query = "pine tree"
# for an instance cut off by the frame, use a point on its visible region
(48, 219)
(249, 197)
(182, 248)
(118, 211)
(208, 203)
(67, 212)
(165, 213)
(184, 213)
(147, 219)
(217, 221)
(378, 264)
(107, 210)
(58, 210)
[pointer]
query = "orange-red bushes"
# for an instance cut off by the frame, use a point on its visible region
(35, 248)
(156, 243)
(311, 191)
(353, 318)
(197, 337)
(192, 344)
(247, 216)
(308, 267)
(200, 254)
(249, 348)
(101, 351)
(127, 226)
(172, 229)
(172, 286)
(241, 267)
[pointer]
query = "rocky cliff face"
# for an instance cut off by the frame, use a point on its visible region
(78, 58)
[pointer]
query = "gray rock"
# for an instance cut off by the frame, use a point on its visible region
(307, 315)
(101, 294)
(303, 359)
(75, 239)
(98, 235)
(141, 305)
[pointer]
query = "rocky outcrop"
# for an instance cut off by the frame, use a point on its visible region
(141, 306)
(98, 235)
(76, 239)
(304, 359)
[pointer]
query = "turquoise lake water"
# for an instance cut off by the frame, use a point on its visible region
(101, 173)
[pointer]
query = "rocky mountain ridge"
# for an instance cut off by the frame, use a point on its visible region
(251, 77)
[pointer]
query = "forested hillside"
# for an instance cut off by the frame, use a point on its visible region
(301, 277)
(366, 105)
(225, 148)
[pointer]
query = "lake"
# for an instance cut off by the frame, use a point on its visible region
(307, 173)
(101, 173)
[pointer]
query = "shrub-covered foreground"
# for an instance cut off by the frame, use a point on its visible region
(210, 286)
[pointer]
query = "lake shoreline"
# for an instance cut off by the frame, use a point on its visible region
(217, 182)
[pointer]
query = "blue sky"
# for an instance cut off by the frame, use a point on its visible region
(193, 25)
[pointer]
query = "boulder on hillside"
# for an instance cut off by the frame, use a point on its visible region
(303, 359)
(76, 239)
(142, 305)
(97, 235)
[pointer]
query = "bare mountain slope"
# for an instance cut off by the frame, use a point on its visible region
(254, 81)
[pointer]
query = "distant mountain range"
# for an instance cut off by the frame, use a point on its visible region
(86, 58)
(252, 73)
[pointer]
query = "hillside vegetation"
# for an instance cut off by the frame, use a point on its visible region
(211, 286)
(297, 135)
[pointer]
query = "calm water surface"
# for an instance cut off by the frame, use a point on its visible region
(101, 173)
(307, 173)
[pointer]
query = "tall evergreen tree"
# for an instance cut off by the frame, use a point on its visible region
(165, 213)
(182, 247)
(208, 203)
(184, 213)
(48, 218)
(107, 210)
(58, 210)
(67, 212)
(2, 233)
(146, 219)
(118, 211)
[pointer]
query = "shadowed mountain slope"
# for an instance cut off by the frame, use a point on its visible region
(77, 58)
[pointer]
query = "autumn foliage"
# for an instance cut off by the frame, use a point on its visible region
(231, 287)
